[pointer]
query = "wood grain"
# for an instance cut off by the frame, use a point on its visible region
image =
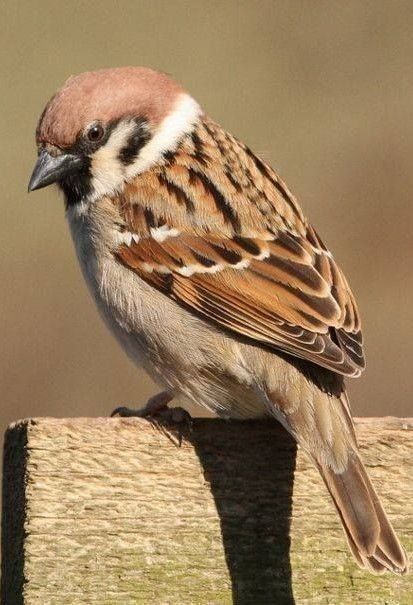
(111, 511)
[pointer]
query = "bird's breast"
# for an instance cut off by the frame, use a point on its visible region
(177, 349)
(116, 291)
(153, 330)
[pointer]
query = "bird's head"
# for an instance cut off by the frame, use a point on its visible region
(103, 128)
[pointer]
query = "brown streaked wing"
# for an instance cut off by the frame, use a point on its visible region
(286, 293)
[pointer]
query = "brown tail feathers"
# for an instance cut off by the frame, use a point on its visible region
(369, 533)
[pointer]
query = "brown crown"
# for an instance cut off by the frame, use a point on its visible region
(106, 95)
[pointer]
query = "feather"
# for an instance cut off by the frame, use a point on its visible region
(369, 533)
(240, 254)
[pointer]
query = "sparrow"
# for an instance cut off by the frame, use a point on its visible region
(206, 270)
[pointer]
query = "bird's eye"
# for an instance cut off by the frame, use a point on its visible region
(95, 133)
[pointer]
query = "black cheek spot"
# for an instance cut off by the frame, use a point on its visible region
(137, 140)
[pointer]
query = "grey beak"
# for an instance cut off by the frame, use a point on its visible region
(49, 169)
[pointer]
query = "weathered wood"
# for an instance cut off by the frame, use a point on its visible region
(111, 511)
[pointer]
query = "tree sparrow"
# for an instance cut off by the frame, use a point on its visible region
(205, 268)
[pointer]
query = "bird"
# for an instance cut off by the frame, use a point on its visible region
(205, 268)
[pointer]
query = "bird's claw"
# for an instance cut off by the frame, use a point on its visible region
(175, 423)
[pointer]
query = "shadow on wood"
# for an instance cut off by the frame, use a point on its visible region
(253, 497)
(108, 511)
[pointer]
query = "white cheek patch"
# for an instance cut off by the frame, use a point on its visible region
(108, 172)
(179, 122)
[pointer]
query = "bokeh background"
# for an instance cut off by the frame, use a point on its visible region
(322, 89)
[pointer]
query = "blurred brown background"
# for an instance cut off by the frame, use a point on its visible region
(322, 89)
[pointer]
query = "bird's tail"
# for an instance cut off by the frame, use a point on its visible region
(370, 535)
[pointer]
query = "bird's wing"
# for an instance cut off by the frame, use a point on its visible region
(226, 240)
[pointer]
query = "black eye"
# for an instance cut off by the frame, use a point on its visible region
(95, 133)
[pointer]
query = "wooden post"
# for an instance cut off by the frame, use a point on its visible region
(110, 511)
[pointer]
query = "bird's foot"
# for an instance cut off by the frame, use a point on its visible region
(156, 405)
(172, 422)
